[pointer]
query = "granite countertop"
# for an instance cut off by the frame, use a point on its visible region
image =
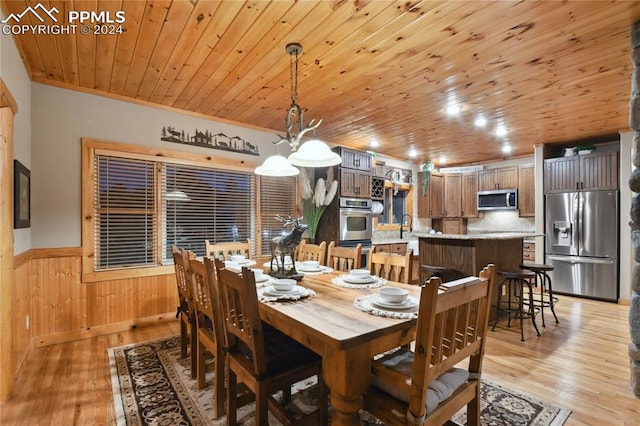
(489, 236)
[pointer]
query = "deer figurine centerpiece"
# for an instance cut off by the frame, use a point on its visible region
(284, 245)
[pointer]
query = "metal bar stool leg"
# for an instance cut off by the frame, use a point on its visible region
(552, 301)
(532, 308)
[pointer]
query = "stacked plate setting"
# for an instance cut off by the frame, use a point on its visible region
(309, 266)
(359, 276)
(283, 287)
(394, 298)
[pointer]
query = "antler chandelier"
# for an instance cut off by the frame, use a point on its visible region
(313, 153)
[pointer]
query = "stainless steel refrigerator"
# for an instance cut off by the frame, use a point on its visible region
(582, 243)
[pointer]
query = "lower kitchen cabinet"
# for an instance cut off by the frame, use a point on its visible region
(395, 248)
(528, 251)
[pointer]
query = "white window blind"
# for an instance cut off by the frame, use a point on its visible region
(144, 205)
(206, 204)
(125, 220)
(277, 197)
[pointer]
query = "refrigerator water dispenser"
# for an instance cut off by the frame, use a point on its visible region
(561, 234)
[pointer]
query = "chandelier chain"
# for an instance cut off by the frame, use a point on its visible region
(293, 77)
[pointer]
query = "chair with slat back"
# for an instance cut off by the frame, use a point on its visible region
(261, 357)
(391, 266)
(223, 250)
(344, 258)
(308, 251)
(425, 387)
(210, 336)
(186, 310)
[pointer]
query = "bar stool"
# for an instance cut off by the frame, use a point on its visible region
(515, 282)
(444, 273)
(544, 279)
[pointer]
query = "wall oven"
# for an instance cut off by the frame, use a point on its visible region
(356, 221)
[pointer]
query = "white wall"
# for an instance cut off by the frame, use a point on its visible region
(61, 117)
(626, 259)
(17, 80)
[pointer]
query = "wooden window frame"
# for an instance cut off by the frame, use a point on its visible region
(93, 147)
(388, 185)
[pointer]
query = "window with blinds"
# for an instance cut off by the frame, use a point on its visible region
(277, 198)
(206, 204)
(125, 217)
(144, 206)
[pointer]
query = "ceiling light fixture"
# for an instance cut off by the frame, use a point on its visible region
(313, 153)
(480, 121)
(501, 130)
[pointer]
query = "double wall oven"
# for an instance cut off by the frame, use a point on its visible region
(355, 221)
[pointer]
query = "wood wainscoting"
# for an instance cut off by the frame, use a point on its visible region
(50, 299)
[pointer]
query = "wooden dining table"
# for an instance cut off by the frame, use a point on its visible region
(346, 338)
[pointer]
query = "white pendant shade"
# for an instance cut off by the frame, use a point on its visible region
(314, 153)
(276, 165)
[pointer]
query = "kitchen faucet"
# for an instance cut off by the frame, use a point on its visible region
(402, 223)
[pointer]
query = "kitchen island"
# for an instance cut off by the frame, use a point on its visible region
(469, 253)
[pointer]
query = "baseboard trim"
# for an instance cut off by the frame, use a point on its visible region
(101, 330)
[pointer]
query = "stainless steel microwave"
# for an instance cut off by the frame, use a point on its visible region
(499, 199)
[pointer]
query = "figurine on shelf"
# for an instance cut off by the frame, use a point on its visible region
(284, 245)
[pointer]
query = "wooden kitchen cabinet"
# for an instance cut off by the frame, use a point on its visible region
(581, 172)
(501, 178)
(394, 248)
(528, 251)
(356, 160)
(435, 196)
(527, 191)
(450, 225)
(354, 183)
(452, 196)
(469, 196)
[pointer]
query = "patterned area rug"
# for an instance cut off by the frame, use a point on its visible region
(152, 386)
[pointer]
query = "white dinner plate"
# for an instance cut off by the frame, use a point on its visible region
(358, 280)
(264, 278)
(303, 269)
(409, 302)
(296, 291)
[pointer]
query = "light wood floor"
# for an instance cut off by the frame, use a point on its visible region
(581, 364)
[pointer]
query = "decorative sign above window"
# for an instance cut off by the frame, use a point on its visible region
(207, 139)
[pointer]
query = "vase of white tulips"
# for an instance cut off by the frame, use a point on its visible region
(315, 200)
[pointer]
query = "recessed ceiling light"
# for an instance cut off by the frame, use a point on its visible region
(373, 143)
(453, 109)
(442, 160)
(480, 121)
(501, 130)
(412, 153)
(506, 148)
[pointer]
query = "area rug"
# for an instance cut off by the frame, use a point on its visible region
(153, 386)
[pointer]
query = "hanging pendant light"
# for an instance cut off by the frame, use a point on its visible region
(313, 153)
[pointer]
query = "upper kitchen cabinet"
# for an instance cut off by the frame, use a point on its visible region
(452, 198)
(356, 160)
(527, 191)
(502, 178)
(355, 173)
(581, 172)
(432, 204)
(469, 196)
(354, 183)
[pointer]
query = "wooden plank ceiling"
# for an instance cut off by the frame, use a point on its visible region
(552, 72)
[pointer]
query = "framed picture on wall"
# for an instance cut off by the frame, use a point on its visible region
(21, 196)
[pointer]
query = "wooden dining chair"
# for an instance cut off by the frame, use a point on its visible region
(262, 358)
(224, 250)
(344, 258)
(186, 309)
(308, 251)
(394, 267)
(210, 336)
(425, 387)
